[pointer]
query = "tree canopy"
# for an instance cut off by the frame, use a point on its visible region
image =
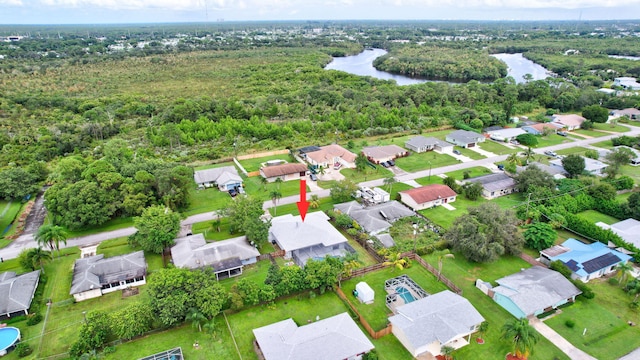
(595, 113)
(533, 176)
(485, 233)
(157, 229)
(573, 164)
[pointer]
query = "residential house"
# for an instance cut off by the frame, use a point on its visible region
(628, 83)
(16, 293)
(331, 155)
(428, 196)
(541, 128)
(495, 185)
(505, 134)
(464, 138)
(374, 219)
(628, 230)
(386, 240)
(224, 178)
(379, 154)
(313, 238)
(226, 257)
(631, 113)
(421, 144)
(569, 122)
(591, 166)
(586, 261)
(285, 172)
(94, 276)
(334, 338)
(634, 161)
(557, 172)
(532, 291)
(438, 320)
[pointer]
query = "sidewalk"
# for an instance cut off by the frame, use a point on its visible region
(573, 352)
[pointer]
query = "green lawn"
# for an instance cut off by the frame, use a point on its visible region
(396, 188)
(213, 166)
(114, 224)
(607, 144)
(211, 232)
(595, 216)
(631, 171)
(608, 127)
(470, 153)
(425, 160)
(8, 210)
(206, 200)
(591, 133)
(366, 175)
(445, 217)
(376, 314)
(393, 139)
(257, 273)
(324, 205)
(255, 187)
(608, 336)
(497, 148)
(553, 139)
(458, 175)
(464, 273)
(255, 164)
(574, 150)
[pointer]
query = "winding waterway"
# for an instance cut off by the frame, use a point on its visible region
(362, 64)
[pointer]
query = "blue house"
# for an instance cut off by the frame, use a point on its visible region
(532, 291)
(587, 261)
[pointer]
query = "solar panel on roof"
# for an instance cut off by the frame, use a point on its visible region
(573, 265)
(600, 262)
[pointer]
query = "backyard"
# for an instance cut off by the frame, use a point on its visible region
(367, 174)
(424, 161)
(251, 165)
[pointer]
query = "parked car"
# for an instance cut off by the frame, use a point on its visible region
(456, 152)
(384, 164)
(313, 177)
(233, 193)
(562, 133)
(550, 153)
(500, 167)
(391, 163)
(515, 142)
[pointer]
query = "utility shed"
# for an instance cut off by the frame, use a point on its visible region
(365, 292)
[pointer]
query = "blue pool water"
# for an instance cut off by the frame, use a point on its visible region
(8, 337)
(405, 294)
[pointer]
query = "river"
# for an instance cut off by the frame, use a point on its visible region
(362, 64)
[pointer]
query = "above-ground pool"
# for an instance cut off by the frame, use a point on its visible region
(405, 294)
(9, 336)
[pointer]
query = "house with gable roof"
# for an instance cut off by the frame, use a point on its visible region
(428, 196)
(16, 293)
(569, 121)
(495, 185)
(96, 275)
(334, 338)
(377, 218)
(329, 155)
(438, 320)
(464, 138)
(224, 178)
(586, 261)
(422, 144)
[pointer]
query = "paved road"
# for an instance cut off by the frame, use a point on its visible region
(26, 241)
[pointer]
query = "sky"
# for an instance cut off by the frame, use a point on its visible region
(149, 11)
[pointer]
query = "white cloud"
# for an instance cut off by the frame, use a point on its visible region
(296, 5)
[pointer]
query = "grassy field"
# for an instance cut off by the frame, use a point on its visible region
(211, 232)
(608, 335)
(422, 161)
(376, 314)
(470, 153)
(553, 139)
(608, 127)
(114, 224)
(445, 217)
(213, 166)
(368, 174)
(497, 148)
(255, 164)
(464, 273)
(574, 150)
(8, 210)
(590, 133)
(206, 200)
(607, 144)
(595, 216)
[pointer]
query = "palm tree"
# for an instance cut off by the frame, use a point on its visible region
(528, 154)
(40, 256)
(524, 336)
(210, 327)
(278, 183)
(314, 202)
(196, 317)
(633, 288)
(623, 271)
(513, 159)
(443, 254)
(484, 326)
(321, 170)
(394, 258)
(446, 351)
(390, 181)
(51, 236)
(275, 196)
(264, 182)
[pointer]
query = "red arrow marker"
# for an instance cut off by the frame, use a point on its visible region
(303, 204)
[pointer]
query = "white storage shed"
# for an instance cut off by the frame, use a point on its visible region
(365, 292)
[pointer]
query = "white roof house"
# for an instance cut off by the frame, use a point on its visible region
(592, 166)
(428, 324)
(377, 218)
(314, 237)
(334, 338)
(16, 292)
(629, 83)
(226, 257)
(506, 134)
(628, 230)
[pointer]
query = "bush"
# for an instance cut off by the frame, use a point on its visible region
(372, 355)
(23, 349)
(570, 324)
(614, 281)
(527, 139)
(34, 319)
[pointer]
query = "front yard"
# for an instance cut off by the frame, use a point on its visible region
(497, 148)
(423, 161)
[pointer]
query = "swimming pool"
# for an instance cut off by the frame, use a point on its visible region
(405, 294)
(9, 336)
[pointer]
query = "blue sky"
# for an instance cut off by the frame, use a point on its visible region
(140, 11)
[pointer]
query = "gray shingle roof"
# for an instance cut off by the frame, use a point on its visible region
(16, 292)
(334, 338)
(420, 141)
(193, 252)
(494, 182)
(218, 175)
(292, 233)
(94, 271)
(386, 240)
(440, 317)
(536, 288)
(370, 218)
(464, 136)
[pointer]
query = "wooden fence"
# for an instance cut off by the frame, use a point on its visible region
(374, 334)
(434, 271)
(275, 254)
